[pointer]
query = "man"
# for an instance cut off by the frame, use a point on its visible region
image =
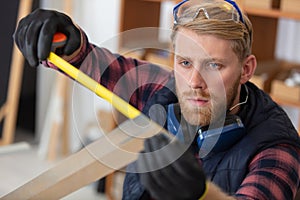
(254, 156)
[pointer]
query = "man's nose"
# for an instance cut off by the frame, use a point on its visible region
(196, 80)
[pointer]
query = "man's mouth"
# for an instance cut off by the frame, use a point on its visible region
(198, 101)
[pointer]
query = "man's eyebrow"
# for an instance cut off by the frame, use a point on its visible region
(183, 57)
(201, 60)
(213, 59)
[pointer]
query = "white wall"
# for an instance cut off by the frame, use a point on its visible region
(99, 18)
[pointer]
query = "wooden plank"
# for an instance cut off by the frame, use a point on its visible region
(104, 156)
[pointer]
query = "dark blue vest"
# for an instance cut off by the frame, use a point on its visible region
(266, 125)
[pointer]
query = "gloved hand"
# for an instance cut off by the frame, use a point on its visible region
(181, 179)
(35, 32)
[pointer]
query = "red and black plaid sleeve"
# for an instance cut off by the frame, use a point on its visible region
(274, 174)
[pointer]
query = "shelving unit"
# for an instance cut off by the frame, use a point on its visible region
(264, 23)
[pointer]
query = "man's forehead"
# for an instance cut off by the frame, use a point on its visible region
(194, 51)
(189, 44)
(188, 47)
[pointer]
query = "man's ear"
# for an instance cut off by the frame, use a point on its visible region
(249, 66)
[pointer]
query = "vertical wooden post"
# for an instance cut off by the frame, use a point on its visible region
(9, 112)
(59, 131)
(68, 5)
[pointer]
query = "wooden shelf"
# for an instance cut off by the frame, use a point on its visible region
(272, 13)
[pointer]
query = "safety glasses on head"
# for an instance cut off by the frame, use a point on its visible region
(223, 10)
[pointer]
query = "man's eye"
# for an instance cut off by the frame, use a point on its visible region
(213, 66)
(185, 63)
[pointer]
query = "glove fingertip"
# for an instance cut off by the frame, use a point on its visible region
(70, 48)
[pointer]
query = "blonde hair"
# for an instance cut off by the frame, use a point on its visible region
(238, 32)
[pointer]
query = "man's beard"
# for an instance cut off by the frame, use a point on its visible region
(194, 115)
(206, 115)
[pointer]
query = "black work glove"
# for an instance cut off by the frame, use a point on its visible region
(173, 178)
(35, 32)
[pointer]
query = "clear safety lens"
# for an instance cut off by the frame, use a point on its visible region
(223, 10)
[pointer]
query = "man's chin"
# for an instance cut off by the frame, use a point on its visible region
(197, 119)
